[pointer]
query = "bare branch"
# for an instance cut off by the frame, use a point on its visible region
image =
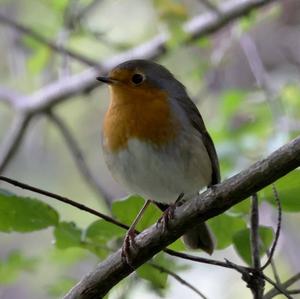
(178, 278)
(273, 292)
(257, 285)
(277, 232)
(13, 139)
(201, 25)
(64, 200)
(53, 46)
(62, 90)
(113, 221)
(77, 154)
(210, 203)
(274, 270)
(9, 96)
(279, 288)
(200, 259)
(254, 236)
(261, 76)
(283, 160)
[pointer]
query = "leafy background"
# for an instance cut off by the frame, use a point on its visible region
(47, 246)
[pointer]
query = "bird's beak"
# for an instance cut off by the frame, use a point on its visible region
(106, 80)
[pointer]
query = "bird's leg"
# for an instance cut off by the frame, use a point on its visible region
(168, 214)
(130, 235)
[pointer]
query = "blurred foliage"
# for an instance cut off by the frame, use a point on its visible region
(246, 122)
(14, 265)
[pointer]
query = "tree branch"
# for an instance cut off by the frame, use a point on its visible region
(273, 292)
(277, 233)
(207, 205)
(40, 38)
(13, 138)
(257, 282)
(178, 278)
(63, 89)
(201, 25)
(9, 96)
(64, 200)
(79, 158)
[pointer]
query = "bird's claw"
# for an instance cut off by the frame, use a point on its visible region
(128, 244)
(169, 213)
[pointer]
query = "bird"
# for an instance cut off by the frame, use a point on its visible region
(155, 143)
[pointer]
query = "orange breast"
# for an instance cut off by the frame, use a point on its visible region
(141, 113)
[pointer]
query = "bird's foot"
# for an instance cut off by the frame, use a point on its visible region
(168, 214)
(128, 244)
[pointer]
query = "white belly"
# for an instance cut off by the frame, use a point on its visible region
(162, 174)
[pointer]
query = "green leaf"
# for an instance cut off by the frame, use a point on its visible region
(241, 241)
(242, 208)
(126, 210)
(157, 278)
(177, 245)
(23, 214)
(14, 265)
(102, 231)
(99, 234)
(288, 188)
(67, 234)
(224, 227)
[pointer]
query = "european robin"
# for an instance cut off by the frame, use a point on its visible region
(155, 142)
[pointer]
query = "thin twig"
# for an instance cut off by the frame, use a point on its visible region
(40, 38)
(108, 219)
(254, 236)
(153, 240)
(276, 195)
(256, 283)
(63, 199)
(279, 288)
(261, 76)
(201, 259)
(294, 292)
(273, 292)
(77, 154)
(13, 138)
(274, 270)
(178, 278)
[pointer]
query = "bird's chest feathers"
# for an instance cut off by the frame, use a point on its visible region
(145, 116)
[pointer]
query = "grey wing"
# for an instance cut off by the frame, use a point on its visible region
(197, 122)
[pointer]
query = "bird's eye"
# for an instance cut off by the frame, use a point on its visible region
(137, 79)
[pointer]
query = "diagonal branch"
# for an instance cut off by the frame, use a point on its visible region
(273, 292)
(279, 288)
(199, 26)
(13, 138)
(40, 38)
(207, 205)
(9, 96)
(178, 278)
(79, 158)
(109, 219)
